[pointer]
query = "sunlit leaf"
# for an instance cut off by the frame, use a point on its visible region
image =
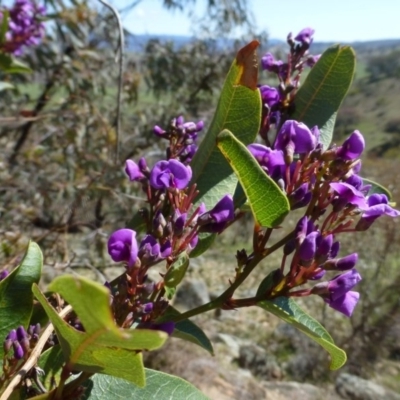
(287, 309)
(102, 347)
(159, 386)
(267, 201)
(324, 89)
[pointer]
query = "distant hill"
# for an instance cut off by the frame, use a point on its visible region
(137, 43)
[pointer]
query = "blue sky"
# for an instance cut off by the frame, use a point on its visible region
(334, 20)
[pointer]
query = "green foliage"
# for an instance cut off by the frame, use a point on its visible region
(159, 385)
(102, 347)
(286, 309)
(238, 110)
(16, 297)
(187, 330)
(267, 201)
(384, 66)
(324, 89)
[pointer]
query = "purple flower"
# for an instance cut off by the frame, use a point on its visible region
(18, 350)
(21, 333)
(269, 63)
(352, 147)
(167, 327)
(158, 131)
(270, 160)
(308, 247)
(216, 219)
(305, 36)
(122, 246)
(300, 197)
(342, 264)
(24, 27)
(269, 95)
(312, 60)
(378, 205)
(149, 249)
(344, 304)
(4, 274)
(295, 138)
(179, 222)
(341, 284)
(348, 194)
(133, 171)
(356, 181)
(170, 174)
(334, 250)
(187, 153)
(324, 245)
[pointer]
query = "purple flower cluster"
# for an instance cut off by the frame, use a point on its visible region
(278, 99)
(328, 184)
(20, 340)
(172, 223)
(182, 137)
(25, 28)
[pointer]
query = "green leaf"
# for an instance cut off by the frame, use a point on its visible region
(269, 282)
(4, 25)
(11, 65)
(5, 86)
(177, 271)
(377, 188)
(205, 241)
(16, 298)
(287, 310)
(51, 362)
(267, 201)
(102, 347)
(159, 386)
(239, 110)
(187, 330)
(324, 89)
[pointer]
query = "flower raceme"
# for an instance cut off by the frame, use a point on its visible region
(329, 182)
(24, 27)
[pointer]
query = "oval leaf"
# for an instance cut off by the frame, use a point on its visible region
(267, 201)
(187, 330)
(16, 297)
(159, 386)
(239, 110)
(324, 89)
(287, 309)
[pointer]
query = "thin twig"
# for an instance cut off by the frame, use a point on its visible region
(33, 358)
(120, 72)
